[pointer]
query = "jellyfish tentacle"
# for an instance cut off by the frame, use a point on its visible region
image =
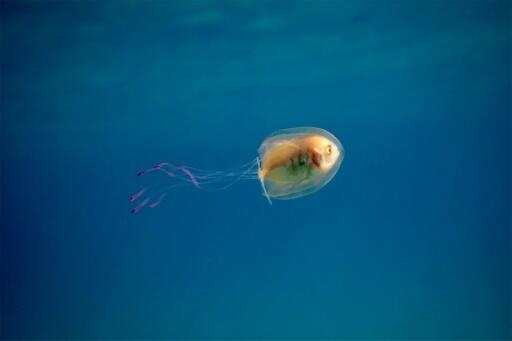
(158, 167)
(158, 201)
(192, 177)
(199, 174)
(262, 181)
(139, 206)
(180, 175)
(161, 167)
(241, 176)
(241, 167)
(247, 172)
(135, 196)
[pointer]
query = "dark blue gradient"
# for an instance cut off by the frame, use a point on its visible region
(412, 238)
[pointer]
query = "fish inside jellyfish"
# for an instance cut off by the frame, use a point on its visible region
(291, 163)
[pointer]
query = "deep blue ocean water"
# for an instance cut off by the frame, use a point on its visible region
(412, 238)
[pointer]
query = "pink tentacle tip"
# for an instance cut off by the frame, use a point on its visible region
(170, 173)
(159, 166)
(142, 172)
(135, 196)
(141, 205)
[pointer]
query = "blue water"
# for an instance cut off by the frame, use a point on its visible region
(411, 239)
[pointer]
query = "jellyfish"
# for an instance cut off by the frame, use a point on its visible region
(292, 163)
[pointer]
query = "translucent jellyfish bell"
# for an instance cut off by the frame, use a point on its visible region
(298, 161)
(292, 163)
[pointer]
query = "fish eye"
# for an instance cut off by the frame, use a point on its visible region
(329, 150)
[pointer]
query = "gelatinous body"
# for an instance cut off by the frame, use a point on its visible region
(292, 163)
(298, 161)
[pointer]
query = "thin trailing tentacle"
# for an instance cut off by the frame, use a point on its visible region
(135, 196)
(158, 201)
(262, 181)
(179, 175)
(175, 167)
(172, 170)
(192, 177)
(196, 179)
(139, 206)
(241, 167)
(240, 177)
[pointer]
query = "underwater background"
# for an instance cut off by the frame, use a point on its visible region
(411, 239)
